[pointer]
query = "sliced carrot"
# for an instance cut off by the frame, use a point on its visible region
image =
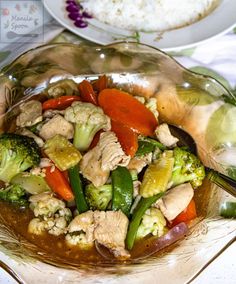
(58, 183)
(87, 93)
(187, 215)
(60, 102)
(124, 108)
(126, 136)
(100, 84)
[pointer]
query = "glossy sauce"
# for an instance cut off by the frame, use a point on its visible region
(18, 219)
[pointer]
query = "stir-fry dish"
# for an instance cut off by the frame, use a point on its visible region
(94, 172)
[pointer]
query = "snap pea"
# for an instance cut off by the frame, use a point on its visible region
(76, 185)
(139, 211)
(122, 190)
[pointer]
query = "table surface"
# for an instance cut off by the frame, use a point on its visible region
(221, 270)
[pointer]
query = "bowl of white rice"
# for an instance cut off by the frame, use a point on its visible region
(149, 15)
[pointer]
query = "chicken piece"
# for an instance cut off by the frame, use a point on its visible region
(138, 163)
(110, 231)
(175, 201)
(112, 152)
(164, 135)
(57, 125)
(26, 132)
(81, 230)
(49, 113)
(97, 163)
(30, 114)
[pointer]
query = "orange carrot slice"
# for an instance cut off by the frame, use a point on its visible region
(124, 108)
(126, 136)
(58, 183)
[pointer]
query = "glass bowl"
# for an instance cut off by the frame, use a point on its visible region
(190, 101)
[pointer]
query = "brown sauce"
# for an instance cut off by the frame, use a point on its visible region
(18, 219)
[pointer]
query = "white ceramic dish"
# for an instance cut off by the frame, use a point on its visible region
(220, 21)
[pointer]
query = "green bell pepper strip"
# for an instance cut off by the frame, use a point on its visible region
(228, 210)
(122, 190)
(77, 188)
(139, 211)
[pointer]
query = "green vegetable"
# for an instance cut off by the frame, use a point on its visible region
(153, 222)
(228, 209)
(98, 198)
(77, 188)
(137, 216)
(147, 145)
(62, 152)
(17, 154)
(122, 195)
(134, 175)
(88, 120)
(157, 175)
(187, 168)
(14, 194)
(33, 184)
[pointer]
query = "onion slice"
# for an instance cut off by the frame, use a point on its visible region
(103, 251)
(153, 244)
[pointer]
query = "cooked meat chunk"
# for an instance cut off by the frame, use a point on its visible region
(26, 132)
(97, 163)
(57, 125)
(49, 113)
(30, 113)
(81, 230)
(175, 201)
(138, 163)
(107, 228)
(110, 231)
(164, 136)
(112, 153)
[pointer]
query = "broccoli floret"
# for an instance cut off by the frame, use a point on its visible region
(187, 168)
(98, 198)
(17, 154)
(15, 194)
(88, 120)
(153, 222)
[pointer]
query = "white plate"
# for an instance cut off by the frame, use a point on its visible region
(220, 21)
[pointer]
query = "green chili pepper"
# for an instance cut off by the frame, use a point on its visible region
(76, 185)
(228, 210)
(122, 194)
(139, 211)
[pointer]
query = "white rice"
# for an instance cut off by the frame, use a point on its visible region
(149, 15)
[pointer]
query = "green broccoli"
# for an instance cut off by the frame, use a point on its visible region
(153, 222)
(17, 154)
(15, 194)
(88, 120)
(98, 198)
(187, 168)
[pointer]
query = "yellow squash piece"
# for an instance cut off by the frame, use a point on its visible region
(62, 152)
(157, 175)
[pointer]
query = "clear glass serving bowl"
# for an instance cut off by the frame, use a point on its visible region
(185, 99)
